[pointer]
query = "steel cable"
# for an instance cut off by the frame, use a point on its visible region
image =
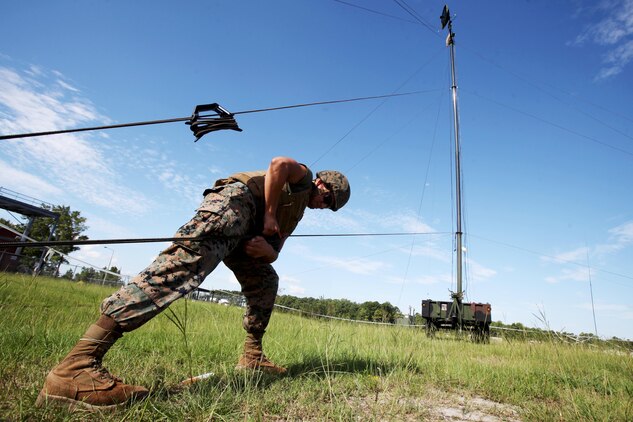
(192, 239)
(182, 119)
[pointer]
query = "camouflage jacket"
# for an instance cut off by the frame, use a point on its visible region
(292, 201)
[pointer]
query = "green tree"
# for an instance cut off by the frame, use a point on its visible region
(87, 273)
(70, 226)
(110, 277)
(368, 310)
(68, 274)
(8, 223)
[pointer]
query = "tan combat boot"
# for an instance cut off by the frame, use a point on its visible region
(254, 357)
(80, 381)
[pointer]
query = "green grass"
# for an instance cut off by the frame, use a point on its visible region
(337, 370)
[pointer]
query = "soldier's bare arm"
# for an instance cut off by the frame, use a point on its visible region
(280, 171)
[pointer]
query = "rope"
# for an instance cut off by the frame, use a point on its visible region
(35, 244)
(183, 119)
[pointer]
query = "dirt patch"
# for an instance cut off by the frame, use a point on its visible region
(475, 409)
(435, 405)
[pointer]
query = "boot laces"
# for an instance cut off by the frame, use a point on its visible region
(104, 374)
(263, 360)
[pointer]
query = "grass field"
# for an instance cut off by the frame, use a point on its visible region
(337, 370)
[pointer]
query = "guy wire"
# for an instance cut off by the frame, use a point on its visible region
(182, 119)
(191, 239)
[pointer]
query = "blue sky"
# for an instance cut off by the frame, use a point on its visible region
(546, 127)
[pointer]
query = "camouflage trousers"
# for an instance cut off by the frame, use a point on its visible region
(226, 214)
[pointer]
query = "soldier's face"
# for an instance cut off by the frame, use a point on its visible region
(321, 197)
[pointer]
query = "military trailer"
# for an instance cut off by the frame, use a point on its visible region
(459, 316)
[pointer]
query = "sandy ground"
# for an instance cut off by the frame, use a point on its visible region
(433, 406)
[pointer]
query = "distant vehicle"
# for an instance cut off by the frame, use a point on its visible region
(457, 315)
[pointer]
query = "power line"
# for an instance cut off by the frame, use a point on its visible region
(182, 119)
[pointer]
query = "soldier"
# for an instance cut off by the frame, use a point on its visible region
(247, 217)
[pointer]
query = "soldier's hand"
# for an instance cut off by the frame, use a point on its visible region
(257, 247)
(271, 226)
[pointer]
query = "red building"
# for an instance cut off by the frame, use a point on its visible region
(8, 258)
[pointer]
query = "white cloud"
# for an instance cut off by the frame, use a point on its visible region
(157, 166)
(67, 86)
(575, 274)
(613, 307)
(615, 60)
(291, 286)
(106, 228)
(623, 234)
(363, 266)
(176, 181)
(29, 183)
(613, 31)
(578, 254)
(433, 279)
(221, 278)
(216, 170)
(360, 220)
(37, 105)
(618, 239)
(91, 253)
(31, 102)
(612, 310)
(478, 272)
(428, 248)
(325, 220)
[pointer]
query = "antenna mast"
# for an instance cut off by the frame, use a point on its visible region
(450, 42)
(456, 315)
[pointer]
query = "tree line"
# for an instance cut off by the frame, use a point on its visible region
(518, 331)
(91, 274)
(343, 308)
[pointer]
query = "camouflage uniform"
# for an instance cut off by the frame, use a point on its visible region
(228, 212)
(231, 212)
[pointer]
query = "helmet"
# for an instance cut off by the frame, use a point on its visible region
(339, 186)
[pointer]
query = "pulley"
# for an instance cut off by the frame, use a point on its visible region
(201, 124)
